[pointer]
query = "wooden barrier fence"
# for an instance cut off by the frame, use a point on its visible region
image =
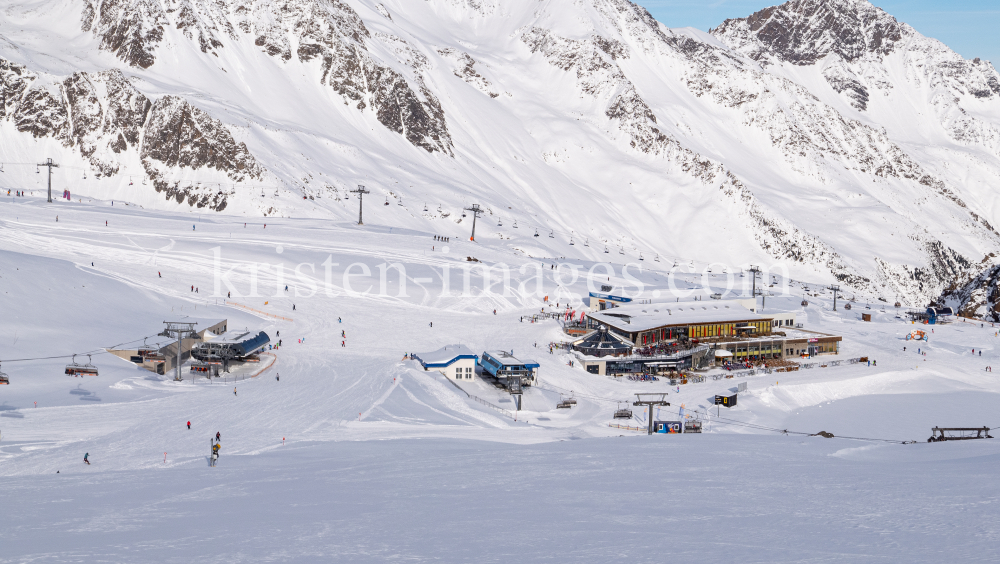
(248, 308)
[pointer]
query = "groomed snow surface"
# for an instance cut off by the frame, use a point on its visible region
(358, 456)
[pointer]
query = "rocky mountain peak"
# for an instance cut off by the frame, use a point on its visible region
(804, 31)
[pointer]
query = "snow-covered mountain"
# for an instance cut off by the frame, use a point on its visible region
(822, 134)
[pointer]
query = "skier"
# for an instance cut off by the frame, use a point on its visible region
(189, 424)
(192, 287)
(343, 333)
(105, 223)
(277, 377)
(234, 390)
(229, 294)
(85, 457)
(218, 436)
(57, 219)
(339, 320)
(192, 228)
(343, 344)
(286, 287)
(293, 307)
(432, 324)
(159, 274)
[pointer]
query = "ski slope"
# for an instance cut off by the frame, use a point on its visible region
(356, 455)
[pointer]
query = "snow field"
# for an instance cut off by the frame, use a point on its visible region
(382, 460)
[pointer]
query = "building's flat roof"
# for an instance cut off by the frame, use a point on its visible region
(236, 336)
(507, 359)
(643, 317)
(444, 356)
(202, 322)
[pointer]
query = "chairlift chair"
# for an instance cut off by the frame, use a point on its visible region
(571, 241)
(605, 249)
(387, 200)
(621, 251)
(130, 181)
(536, 233)
(552, 234)
(76, 369)
(499, 222)
(4, 379)
(586, 242)
(623, 413)
(425, 207)
(640, 257)
(657, 257)
(515, 224)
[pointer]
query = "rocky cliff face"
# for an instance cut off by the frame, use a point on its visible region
(857, 45)
(105, 118)
(803, 32)
(329, 31)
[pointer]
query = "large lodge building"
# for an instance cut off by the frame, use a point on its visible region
(723, 329)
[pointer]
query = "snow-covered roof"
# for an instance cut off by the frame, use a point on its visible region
(643, 317)
(504, 358)
(444, 356)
